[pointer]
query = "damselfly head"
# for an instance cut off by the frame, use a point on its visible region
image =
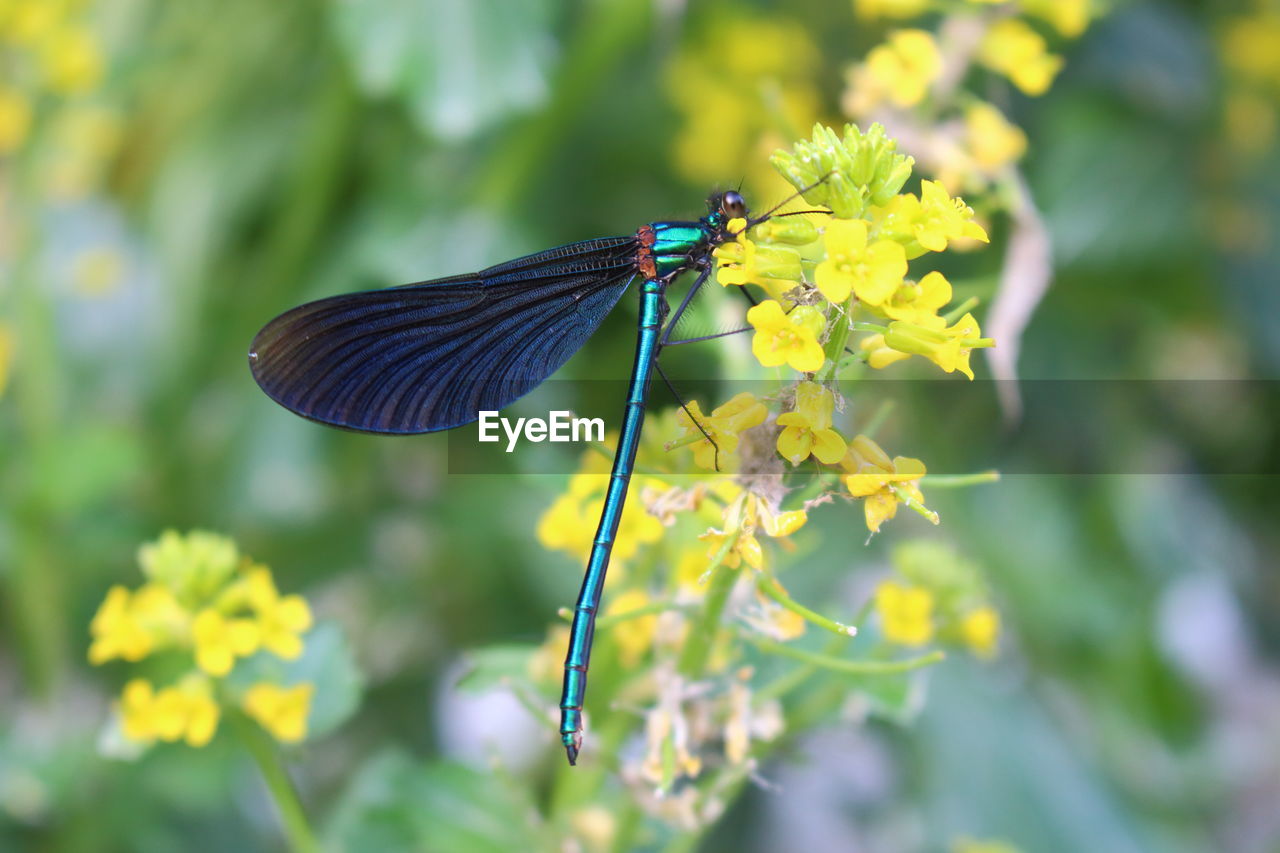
(730, 205)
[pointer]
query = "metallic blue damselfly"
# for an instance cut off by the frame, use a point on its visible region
(430, 356)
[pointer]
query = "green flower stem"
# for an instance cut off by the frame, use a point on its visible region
(771, 588)
(784, 684)
(959, 481)
(901, 494)
(697, 648)
(862, 326)
(960, 310)
(850, 667)
(877, 419)
(834, 348)
(606, 622)
(292, 817)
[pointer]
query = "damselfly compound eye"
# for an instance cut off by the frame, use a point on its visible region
(732, 205)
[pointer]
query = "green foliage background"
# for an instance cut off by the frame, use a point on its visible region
(277, 152)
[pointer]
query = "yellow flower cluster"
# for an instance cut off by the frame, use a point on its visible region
(936, 596)
(863, 268)
(966, 142)
(569, 524)
(45, 46)
(204, 600)
(740, 84)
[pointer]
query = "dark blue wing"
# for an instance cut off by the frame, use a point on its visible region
(431, 356)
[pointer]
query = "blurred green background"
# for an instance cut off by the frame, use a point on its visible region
(227, 160)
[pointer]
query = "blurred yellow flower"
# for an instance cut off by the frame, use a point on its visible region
(186, 711)
(1250, 46)
(219, 640)
(741, 412)
(15, 120)
(993, 141)
(902, 69)
(1069, 17)
(882, 482)
(281, 620)
(29, 21)
(980, 629)
(130, 626)
(790, 339)
(546, 664)
(739, 84)
(566, 527)
(633, 635)
(282, 711)
(72, 61)
(872, 272)
(890, 8)
(807, 429)
(194, 566)
(1012, 48)
(906, 613)
(919, 302)
(7, 344)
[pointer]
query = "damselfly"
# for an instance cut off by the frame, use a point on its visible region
(431, 356)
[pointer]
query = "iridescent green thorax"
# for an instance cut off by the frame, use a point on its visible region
(667, 247)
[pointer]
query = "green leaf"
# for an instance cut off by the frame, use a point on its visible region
(326, 662)
(457, 67)
(495, 666)
(397, 804)
(895, 698)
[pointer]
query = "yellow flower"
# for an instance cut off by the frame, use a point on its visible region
(807, 430)
(879, 354)
(949, 347)
(742, 412)
(6, 356)
(282, 711)
(742, 261)
(636, 527)
(219, 640)
(281, 619)
(746, 514)
(746, 548)
(882, 482)
(546, 664)
(733, 83)
(186, 711)
(890, 8)
(790, 339)
(904, 67)
(1068, 17)
(15, 120)
(28, 21)
(634, 635)
(194, 566)
(131, 626)
(72, 61)
(565, 527)
(980, 628)
(919, 302)
(993, 140)
(906, 613)
(872, 271)
(1018, 52)
(944, 219)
